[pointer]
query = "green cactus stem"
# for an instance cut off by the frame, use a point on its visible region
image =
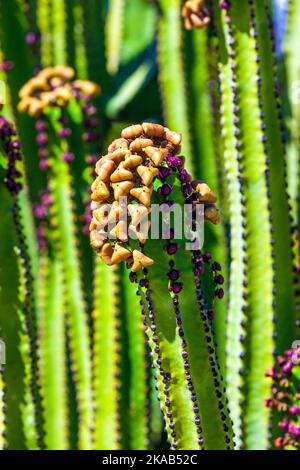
(292, 76)
(58, 33)
(28, 286)
(55, 156)
(64, 234)
(235, 331)
(254, 145)
(170, 59)
(114, 33)
(137, 416)
(106, 358)
(208, 158)
(176, 291)
(44, 14)
(53, 360)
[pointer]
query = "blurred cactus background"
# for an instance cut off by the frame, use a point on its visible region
(147, 345)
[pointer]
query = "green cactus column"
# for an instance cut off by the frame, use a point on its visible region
(261, 282)
(53, 355)
(292, 113)
(176, 284)
(65, 242)
(172, 78)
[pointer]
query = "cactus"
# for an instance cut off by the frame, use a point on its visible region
(291, 87)
(142, 166)
(93, 339)
(246, 70)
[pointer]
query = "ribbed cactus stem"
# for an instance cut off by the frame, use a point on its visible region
(59, 24)
(53, 357)
(26, 251)
(32, 410)
(254, 149)
(285, 310)
(292, 75)
(259, 260)
(176, 314)
(80, 46)
(114, 34)
(208, 159)
(137, 380)
(180, 343)
(171, 64)
(44, 11)
(65, 242)
(238, 265)
(106, 357)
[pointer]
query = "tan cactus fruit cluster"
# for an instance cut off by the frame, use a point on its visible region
(53, 86)
(128, 171)
(195, 14)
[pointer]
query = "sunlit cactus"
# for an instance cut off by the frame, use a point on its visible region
(261, 253)
(142, 168)
(110, 293)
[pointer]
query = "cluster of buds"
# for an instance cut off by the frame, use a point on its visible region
(195, 14)
(53, 86)
(286, 398)
(121, 194)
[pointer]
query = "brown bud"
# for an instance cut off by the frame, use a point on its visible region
(118, 144)
(205, 193)
(121, 174)
(116, 212)
(48, 97)
(96, 240)
(132, 161)
(106, 254)
(93, 224)
(100, 191)
(101, 214)
(174, 138)
(63, 93)
(195, 14)
(153, 130)
(156, 155)
(120, 254)
(120, 231)
(62, 70)
(137, 213)
(105, 170)
(118, 155)
(212, 214)
(36, 107)
(142, 233)
(147, 174)
(132, 132)
(24, 104)
(33, 85)
(56, 82)
(95, 205)
(139, 144)
(122, 189)
(143, 195)
(87, 87)
(140, 261)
